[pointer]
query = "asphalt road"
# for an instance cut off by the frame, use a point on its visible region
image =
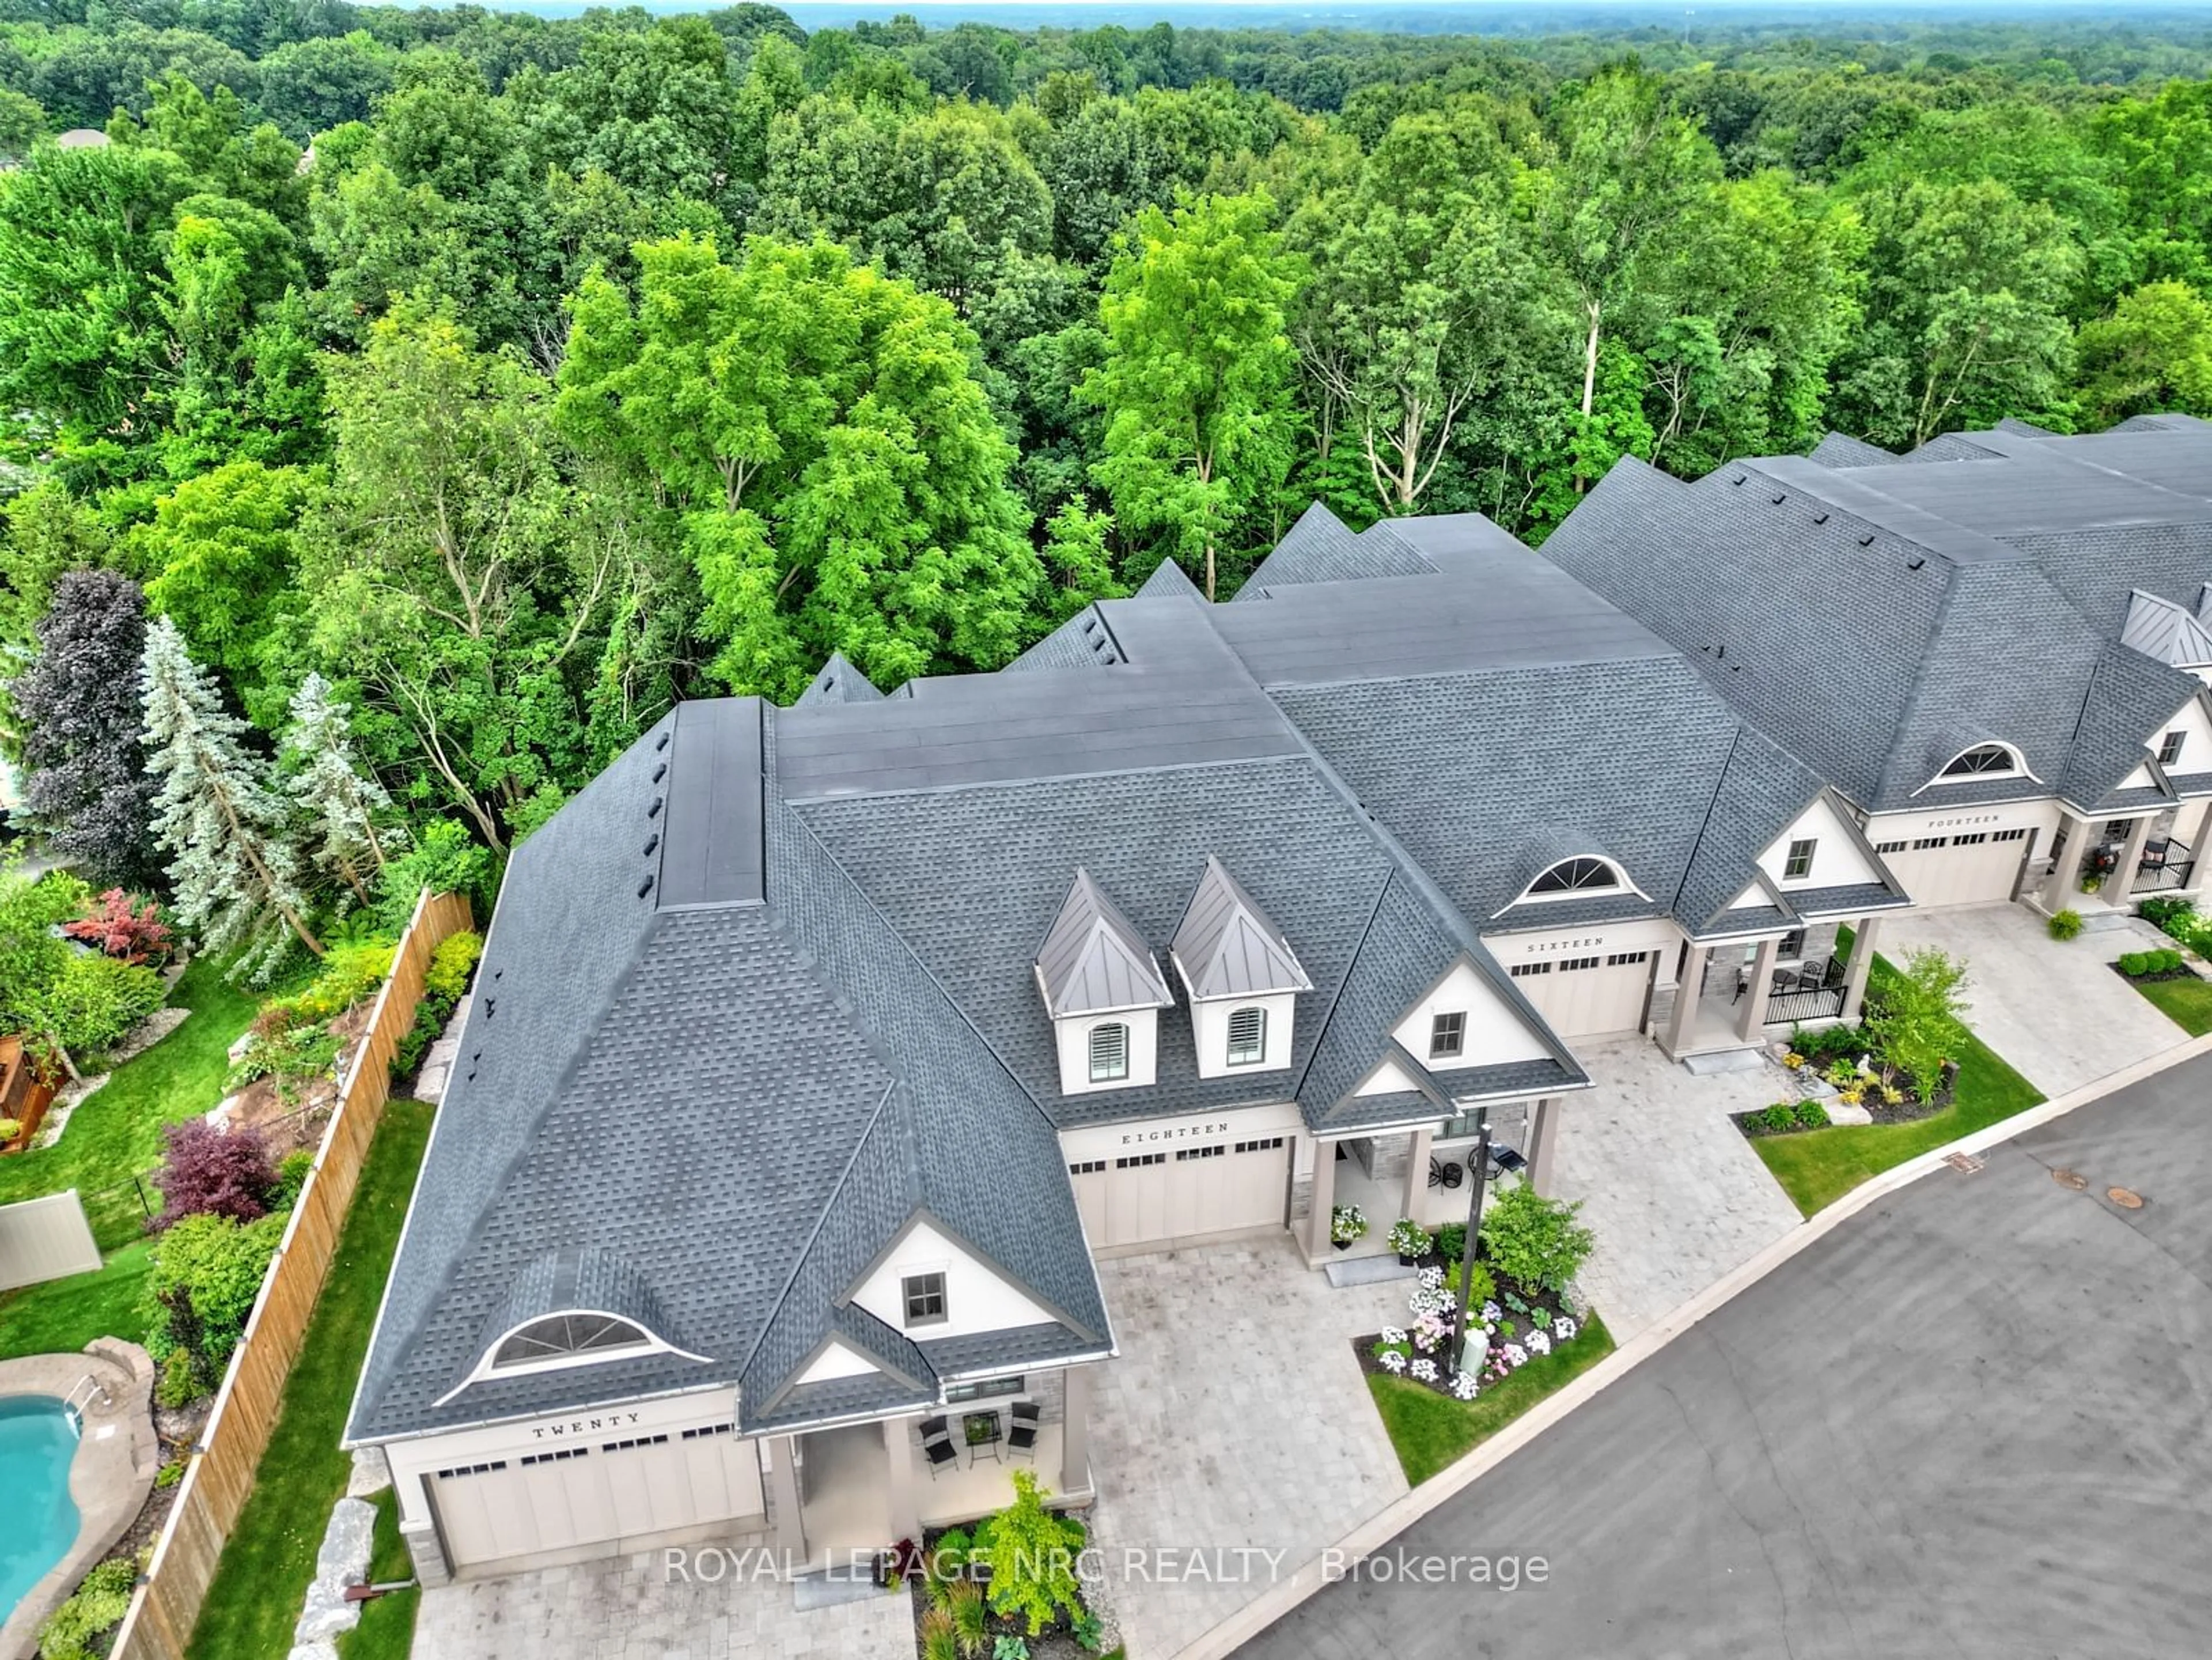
(1976, 1420)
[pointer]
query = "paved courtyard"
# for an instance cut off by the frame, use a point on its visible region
(627, 1608)
(2053, 1009)
(1675, 1194)
(1236, 1416)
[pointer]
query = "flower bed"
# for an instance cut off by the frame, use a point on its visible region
(1514, 1326)
(961, 1611)
(2138, 966)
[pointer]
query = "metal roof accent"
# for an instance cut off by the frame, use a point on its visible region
(2170, 632)
(1225, 946)
(1092, 962)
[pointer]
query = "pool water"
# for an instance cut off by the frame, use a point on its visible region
(40, 1520)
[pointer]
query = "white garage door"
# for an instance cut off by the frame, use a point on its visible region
(1975, 869)
(573, 1502)
(1219, 1187)
(1587, 996)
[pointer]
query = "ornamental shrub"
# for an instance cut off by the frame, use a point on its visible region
(1782, 1115)
(1533, 1239)
(209, 1171)
(1031, 1552)
(1812, 1116)
(1485, 1286)
(349, 974)
(2134, 964)
(938, 1641)
(1919, 1025)
(1451, 1241)
(2162, 912)
(95, 1001)
(451, 964)
(2065, 924)
(121, 927)
(98, 1605)
(206, 1271)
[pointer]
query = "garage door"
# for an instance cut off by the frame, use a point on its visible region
(1975, 869)
(1587, 996)
(1219, 1187)
(571, 1501)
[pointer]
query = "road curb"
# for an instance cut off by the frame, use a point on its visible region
(1386, 1524)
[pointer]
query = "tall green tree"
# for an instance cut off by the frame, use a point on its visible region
(339, 799)
(450, 573)
(1629, 171)
(839, 475)
(2154, 352)
(1197, 378)
(235, 875)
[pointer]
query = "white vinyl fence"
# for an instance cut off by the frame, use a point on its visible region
(45, 1238)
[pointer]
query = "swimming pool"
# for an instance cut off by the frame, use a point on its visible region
(38, 1439)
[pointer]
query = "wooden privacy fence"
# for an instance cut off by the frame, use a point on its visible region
(220, 1477)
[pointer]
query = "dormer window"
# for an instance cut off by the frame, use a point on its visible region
(567, 1337)
(1576, 876)
(1248, 1036)
(1983, 761)
(1242, 977)
(1109, 1052)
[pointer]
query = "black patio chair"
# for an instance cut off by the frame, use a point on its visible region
(939, 1445)
(1023, 1437)
(1446, 1173)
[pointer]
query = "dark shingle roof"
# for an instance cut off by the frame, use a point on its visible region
(839, 682)
(2131, 697)
(1318, 548)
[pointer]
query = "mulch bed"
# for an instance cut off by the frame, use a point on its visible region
(1363, 1348)
(2185, 972)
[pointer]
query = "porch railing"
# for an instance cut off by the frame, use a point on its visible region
(1813, 993)
(2170, 866)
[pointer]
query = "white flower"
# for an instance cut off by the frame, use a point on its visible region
(1424, 1303)
(1492, 1314)
(1514, 1356)
(1431, 1279)
(1465, 1385)
(1423, 1370)
(1539, 1344)
(1391, 1360)
(1564, 1329)
(1392, 1334)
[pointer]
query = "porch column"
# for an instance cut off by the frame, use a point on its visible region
(1689, 989)
(1855, 971)
(2071, 841)
(2118, 886)
(1543, 1143)
(1324, 1198)
(1752, 1018)
(1075, 1427)
(1417, 1172)
(905, 1500)
(783, 1497)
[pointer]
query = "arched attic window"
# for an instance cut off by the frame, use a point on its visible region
(1573, 876)
(1983, 761)
(568, 1337)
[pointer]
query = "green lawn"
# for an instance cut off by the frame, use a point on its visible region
(2187, 1003)
(1818, 1167)
(61, 1315)
(1431, 1431)
(270, 1558)
(116, 1134)
(387, 1631)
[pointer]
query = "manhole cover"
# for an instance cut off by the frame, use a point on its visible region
(1964, 1162)
(2125, 1198)
(2071, 1179)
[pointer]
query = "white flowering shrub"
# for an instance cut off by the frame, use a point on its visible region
(1424, 1369)
(1515, 1357)
(1538, 1343)
(1394, 1333)
(1564, 1329)
(1465, 1385)
(1391, 1360)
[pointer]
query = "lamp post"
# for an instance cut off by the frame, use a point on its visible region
(1479, 1170)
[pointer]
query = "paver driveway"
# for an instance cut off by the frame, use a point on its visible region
(1674, 1194)
(1969, 1422)
(1236, 1416)
(2052, 1009)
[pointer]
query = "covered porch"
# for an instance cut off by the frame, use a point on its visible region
(2109, 863)
(1738, 993)
(842, 1493)
(1420, 1173)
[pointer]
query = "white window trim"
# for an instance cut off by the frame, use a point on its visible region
(2020, 767)
(1091, 1052)
(1622, 884)
(1229, 1036)
(483, 1369)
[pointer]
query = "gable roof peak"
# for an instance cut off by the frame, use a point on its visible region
(1093, 960)
(839, 682)
(1226, 946)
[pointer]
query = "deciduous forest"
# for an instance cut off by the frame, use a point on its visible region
(403, 408)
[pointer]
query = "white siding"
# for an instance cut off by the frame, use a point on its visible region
(975, 1298)
(1496, 1034)
(1074, 1039)
(1210, 1032)
(1838, 861)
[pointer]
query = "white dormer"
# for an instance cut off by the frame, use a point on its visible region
(1821, 849)
(1104, 991)
(1242, 977)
